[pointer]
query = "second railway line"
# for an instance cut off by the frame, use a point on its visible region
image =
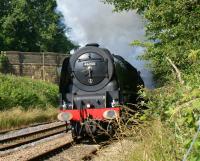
(28, 146)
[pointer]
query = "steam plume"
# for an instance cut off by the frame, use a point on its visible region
(94, 21)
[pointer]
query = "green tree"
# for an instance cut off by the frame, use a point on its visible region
(32, 25)
(173, 28)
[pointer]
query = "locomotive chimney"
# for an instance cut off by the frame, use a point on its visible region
(93, 44)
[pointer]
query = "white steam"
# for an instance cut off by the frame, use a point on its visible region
(95, 22)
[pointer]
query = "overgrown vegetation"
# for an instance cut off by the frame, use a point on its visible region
(149, 141)
(18, 117)
(153, 141)
(27, 93)
(173, 31)
(24, 101)
(179, 107)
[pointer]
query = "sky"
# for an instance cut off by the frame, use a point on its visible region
(92, 21)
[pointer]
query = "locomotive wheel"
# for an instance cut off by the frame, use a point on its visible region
(90, 128)
(76, 131)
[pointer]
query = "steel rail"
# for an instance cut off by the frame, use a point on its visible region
(29, 140)
(23, 127)
(12, 138)
(50, 152)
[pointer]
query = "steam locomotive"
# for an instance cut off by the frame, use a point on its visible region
(93, 86)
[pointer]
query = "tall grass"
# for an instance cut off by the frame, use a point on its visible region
(149, 141)
(24, 101)
(154, 142)
(179, 106)
(18, 117)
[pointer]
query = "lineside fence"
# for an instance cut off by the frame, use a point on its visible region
(44, 65)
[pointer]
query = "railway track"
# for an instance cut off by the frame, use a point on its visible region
(76, 153)
(18, 140)
(61, 147)
(68, 151)
(26, 126)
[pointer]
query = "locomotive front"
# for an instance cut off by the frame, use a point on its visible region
(89, 90)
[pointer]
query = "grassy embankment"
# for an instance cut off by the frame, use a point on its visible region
(149, 141)
(24, 101)
(169, 124)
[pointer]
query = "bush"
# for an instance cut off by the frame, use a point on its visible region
(178, 106)
(27, 93)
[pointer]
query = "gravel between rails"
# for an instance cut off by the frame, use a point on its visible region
(28, 130)
(75, 153)
(30, 152)
(30, 139)
(10, 151)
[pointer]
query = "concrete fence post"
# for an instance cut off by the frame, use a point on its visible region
(43, 70)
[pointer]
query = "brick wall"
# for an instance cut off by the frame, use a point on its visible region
(36, 65)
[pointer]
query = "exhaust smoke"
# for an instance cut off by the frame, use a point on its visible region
(93, 21)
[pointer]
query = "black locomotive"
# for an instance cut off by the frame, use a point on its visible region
(93, 86)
